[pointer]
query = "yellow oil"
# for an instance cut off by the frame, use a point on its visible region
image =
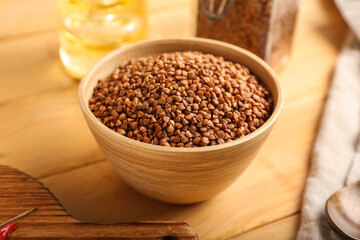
(89, 29)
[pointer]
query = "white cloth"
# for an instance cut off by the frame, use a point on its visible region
(336, 155)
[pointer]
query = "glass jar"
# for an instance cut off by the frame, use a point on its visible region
(89, 29)
(264, 27)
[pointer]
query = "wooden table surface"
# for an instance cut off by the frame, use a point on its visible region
(42, 130)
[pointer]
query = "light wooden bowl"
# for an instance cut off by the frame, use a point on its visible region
(169, 174)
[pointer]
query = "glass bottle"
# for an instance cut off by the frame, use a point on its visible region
(89, 29)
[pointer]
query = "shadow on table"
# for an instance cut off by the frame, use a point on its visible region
(113, 201)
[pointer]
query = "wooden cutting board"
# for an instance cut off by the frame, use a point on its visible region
(20, 192)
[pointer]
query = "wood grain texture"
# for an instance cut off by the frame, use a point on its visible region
(34, 88)
(282, 229)
(20, 192)
(170, 174)
(15, 16)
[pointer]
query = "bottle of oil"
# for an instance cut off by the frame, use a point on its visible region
(89, 29)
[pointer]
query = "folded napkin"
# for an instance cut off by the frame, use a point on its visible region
(336, 155)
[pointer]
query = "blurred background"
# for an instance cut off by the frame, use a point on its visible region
(89, 29)
(42, 15)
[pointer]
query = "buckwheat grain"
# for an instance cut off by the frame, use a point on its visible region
(182, 99)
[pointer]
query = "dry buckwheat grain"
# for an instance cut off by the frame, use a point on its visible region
(182, 99)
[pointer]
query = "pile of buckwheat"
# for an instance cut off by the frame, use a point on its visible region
(182, 99)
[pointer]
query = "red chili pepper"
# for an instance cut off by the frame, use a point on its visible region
(6, 230)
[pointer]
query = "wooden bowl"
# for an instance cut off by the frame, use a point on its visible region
(169, 174)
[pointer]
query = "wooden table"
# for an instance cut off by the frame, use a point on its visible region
(43, 132)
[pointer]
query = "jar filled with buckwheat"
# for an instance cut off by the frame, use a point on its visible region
(264, 27)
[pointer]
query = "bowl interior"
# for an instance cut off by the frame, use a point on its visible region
(110, 62)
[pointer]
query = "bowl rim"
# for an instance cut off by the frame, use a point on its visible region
(268, 123)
